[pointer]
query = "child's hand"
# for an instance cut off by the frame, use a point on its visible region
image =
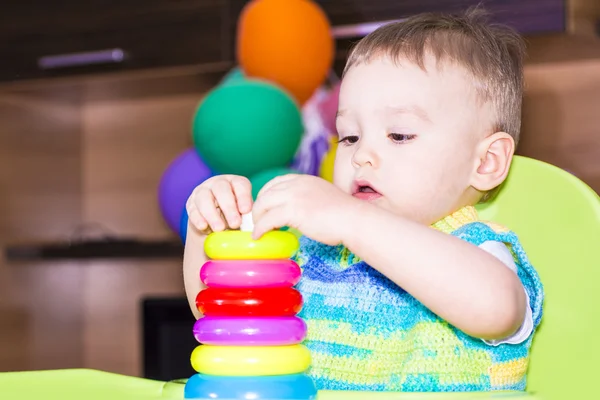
(219, 202)
(312, 205)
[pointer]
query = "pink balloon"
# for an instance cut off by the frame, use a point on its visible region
(328, 109)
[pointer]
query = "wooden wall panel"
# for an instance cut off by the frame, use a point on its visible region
(40, 303)
(39, 151)
(15, 336)
(583, 17)
(112, 328)
(561, 122)
(127, 145)
(93, 155)
(128, 141)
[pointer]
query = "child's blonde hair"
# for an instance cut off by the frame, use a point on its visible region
(492, 55)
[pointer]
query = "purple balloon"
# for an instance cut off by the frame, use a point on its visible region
(180, 178)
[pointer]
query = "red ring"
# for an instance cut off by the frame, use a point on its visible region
(257, 302)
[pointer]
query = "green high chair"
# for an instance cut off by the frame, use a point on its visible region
(557, 218)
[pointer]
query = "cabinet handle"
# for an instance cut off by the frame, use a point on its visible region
(109, 56)
(358, 30)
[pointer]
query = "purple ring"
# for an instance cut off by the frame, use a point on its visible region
(257, 331)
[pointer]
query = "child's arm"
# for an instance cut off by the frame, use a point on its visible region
(458, 281)
(461, 283)
(193, 258)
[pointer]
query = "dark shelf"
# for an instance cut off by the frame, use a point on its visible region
(99, 249)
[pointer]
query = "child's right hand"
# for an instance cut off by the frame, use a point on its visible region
(219, 202)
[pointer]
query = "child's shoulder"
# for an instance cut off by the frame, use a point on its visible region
(480, 232)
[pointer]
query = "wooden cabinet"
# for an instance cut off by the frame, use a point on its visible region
(528, 17)
(41, 38)
(531, 17)
(51, 38)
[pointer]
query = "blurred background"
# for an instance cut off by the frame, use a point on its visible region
(112, 111)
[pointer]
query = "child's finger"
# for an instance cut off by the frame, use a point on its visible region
(273, 219)
(196, 219)
(242, 188)
(276, 181)
(223, 193)
(269, 200)
(207, 205)
(194, 216)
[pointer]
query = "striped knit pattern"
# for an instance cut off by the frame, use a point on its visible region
(366, 333)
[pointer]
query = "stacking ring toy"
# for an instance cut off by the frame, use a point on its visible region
(250, 360)
(236, 331)
(280, 387)
(275, 302)
(239, 245)
(250, 273)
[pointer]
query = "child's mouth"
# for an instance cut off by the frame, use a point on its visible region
(365, 191)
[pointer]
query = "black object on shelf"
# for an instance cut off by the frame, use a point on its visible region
(110, 248)
(167, 338)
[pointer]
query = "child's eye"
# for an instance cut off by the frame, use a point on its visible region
(401, 137)
(348, 139)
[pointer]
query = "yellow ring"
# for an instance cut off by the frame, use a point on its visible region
(250, 360)
(238, 245)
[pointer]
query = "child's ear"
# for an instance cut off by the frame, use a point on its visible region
(494, 156)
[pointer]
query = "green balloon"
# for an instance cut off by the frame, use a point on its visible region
(234, 75)
(247, 126)
(259, 180)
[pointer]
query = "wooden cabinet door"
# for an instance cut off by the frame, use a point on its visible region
(42, 38)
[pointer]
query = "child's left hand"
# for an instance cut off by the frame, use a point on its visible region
(307, 203)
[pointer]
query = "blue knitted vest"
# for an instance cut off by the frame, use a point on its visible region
(366, 333)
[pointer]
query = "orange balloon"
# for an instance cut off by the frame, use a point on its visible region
(287, 42)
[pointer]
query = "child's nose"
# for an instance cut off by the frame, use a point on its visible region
(364, 155)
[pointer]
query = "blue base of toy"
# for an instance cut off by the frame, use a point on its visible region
(280, 387)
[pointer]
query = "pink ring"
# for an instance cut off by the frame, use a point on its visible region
(250, 273)
(252, 331)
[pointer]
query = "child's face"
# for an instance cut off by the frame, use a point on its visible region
(410, 137)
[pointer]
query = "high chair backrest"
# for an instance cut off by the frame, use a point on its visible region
(557, 218)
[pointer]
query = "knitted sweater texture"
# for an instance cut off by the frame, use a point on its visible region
(366, 333)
